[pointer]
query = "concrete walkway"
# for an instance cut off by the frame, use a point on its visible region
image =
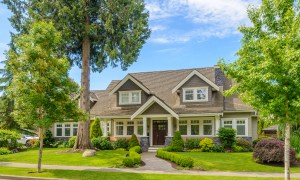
(153, 165)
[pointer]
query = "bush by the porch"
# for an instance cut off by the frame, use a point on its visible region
(71, 141)
(180, 160)
(133, 158)
(192, 143)
(272, 151)
(133, 141)
(244, 145)
(227, 137)
(207, 145)
(177, 144)
(95, 130)
(121, 143)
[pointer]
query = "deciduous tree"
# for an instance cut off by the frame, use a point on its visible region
(267, 71)
(40, 84)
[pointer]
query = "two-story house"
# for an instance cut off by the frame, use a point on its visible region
(153, 105)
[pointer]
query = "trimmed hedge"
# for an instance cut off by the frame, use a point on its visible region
(180, 160)
(133, 158)
(272, 150)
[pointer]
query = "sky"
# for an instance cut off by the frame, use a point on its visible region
(185, 34)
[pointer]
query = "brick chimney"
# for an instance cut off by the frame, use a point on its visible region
(219, 76)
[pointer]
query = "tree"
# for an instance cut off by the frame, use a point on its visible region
(96, 34)
(96, 129)
(40, 84)
(267, 71)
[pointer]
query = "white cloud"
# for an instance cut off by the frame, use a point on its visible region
(207, 18)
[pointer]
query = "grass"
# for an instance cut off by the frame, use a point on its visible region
(242, 162)
(90, 175)
(58, 156)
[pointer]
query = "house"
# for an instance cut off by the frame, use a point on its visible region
(153, 105)
(271, 131)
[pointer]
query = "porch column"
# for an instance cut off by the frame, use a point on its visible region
(144, 126)
(218, 122)
(170, 133)
(105, 128)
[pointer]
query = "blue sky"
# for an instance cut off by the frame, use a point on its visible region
(185, 34)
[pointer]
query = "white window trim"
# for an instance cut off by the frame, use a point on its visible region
(234, 124)
(201, 128)
(135, 127)
(129, 97)
(195, 94)
(63, 129)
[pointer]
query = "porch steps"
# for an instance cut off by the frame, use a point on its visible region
(154, 148)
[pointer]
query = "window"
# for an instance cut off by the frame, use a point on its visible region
(129, 97)
(119, 128)
(58, 129)
(75, 127)
(238, 124)
(140, 127)
(195, 94)
(108, 127)
(240, 127)
(130, 127)
(66, 129)
(207, 127)
(195, 127)
(195, 124)
(183, 127)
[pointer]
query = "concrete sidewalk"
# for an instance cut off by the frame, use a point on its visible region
(153, 165)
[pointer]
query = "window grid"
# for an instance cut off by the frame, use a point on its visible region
(196, 94)
(240, 125)
(196, 127)
(129, 97)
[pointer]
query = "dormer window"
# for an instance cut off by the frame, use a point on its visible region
(129, 97)
(197, 94)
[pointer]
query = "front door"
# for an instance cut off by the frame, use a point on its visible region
(160, 128)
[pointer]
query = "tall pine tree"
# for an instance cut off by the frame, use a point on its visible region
(96, 33)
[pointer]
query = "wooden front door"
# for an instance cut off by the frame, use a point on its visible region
(160, 130)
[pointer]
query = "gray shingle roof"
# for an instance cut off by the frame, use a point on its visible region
(161, 83)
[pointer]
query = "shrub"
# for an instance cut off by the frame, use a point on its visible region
(295, 141)
(101, 143)
(4, 151)
(177, 144)
(244, 144)
(61, 144)
(48, 139)
(272, 150)
(192, 144)
(9, 139)
(207, 145)
(121, 143)
(179, 159)
(133, 141)
(254, 142)
(218, 148)
(227, 137)
(237, 148)
(95, 130)
(133, 157)
(71, 142)
(33, 143)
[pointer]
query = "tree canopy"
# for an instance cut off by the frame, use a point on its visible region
(267, 71)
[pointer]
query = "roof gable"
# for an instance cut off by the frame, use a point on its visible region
(201, 76)
(149, 103)
(129, 77)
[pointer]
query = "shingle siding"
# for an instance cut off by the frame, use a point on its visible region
(155, 109)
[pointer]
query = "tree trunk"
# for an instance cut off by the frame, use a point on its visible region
(83, 133)
(41, 139)
(287, 151)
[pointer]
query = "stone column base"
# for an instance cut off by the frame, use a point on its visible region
(168, 140)
(145, 143)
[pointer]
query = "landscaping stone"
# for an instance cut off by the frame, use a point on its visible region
(89, 153)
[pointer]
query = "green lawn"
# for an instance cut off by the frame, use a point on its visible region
(90, 175)
(58, 156)
(231, 162)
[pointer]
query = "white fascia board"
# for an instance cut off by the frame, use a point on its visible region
(151, 101)
(124, 81)
(194, 72)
